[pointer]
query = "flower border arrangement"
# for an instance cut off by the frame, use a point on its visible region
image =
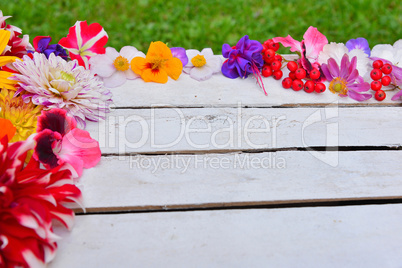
(49, 91)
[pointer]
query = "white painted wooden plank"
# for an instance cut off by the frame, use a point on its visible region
(204, 129)
(158, 182)
(361, 236)
(220, 91)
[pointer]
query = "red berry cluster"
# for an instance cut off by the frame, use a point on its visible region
(272, 60)
(296, 76)
(379, 79)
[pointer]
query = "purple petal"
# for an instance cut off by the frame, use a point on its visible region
(353, 64)
(359, 87)
(397, 96)
(226, 50)
(344, 66)
(229, 72)
(333, 67)
(359, 97)
(397, 73)
(46, 140)
(326, 72)
(352, 76)
(43, 43)
(359, 43)
(180, 53)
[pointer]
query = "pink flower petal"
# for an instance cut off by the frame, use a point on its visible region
(315, 42)
(359, 97)
(289, 42)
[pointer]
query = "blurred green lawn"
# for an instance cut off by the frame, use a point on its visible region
(210, 23)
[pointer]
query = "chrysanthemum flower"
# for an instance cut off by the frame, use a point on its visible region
(4, 81)
(158, 64)
(345, 80)
(114, 67)
(85, 41)
(336, 51)
(22, 115)
(59, 141)
(55, 83)
(30, 199)
(202, 65)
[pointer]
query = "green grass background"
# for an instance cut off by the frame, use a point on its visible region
(210, 23)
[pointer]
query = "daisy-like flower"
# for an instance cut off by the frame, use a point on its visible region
(202, 65)
(391, 55)
(5, 82)
(55, 83)
(336, 51)
(22, 115)
(30, 199)
(59, 141)
(114, 67)
(85, 41)
(158, 64)
(345, 80)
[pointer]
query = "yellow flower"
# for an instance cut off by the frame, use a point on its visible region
(158, 64)
(22, 115)
(4, 81)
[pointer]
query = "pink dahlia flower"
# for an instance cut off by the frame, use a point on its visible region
(55, 83)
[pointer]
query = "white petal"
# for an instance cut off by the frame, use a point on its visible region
(102, 65)
(383, 51)
(332, 50)
(362, 61)
(130, 74)
(207, 52)
(398, 44)
(187, 69)
(215, 63)
(201, 73)
(117, 79)
(128, 52)
(191, 53)
(112, 53)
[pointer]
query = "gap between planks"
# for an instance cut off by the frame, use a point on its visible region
(217, 151)
(360, 201)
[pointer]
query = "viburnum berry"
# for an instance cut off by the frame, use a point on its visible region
(264, 48)
(287, 82)
(319, 87)
(278, 74)
(376, 74)
(292, 75)
(377, 64)
(309, 86)
(269, 55)
(376, 85)
(266, 71)
(386, 80)
(297, 85)
(315, 74)
(274, 46)
(292, 66)
(276, 65)
(300, 73)
(380, 95)
(278, 57)
(268, 42)
(387, 68)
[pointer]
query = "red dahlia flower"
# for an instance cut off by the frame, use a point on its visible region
(30, 198)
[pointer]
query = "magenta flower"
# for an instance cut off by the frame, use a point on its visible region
(345, 80)
(59, 141)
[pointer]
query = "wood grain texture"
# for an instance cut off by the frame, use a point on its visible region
(362, 236)
(191, 130)
(144, 182)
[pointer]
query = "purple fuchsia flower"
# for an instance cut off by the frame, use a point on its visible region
(359, 43)
(41, 45)
(56, 83)
(243, 59)
(345, 80)
(180, 53)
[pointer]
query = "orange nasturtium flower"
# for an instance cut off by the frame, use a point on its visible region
(7, 129)
(158, 64)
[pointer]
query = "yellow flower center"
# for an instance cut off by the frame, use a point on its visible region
(157, 63)
(121, 63)
(198, 61)
(338, 85)
(67, 77)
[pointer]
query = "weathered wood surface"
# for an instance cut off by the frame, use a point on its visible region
(220, 91)
(144, 182)
(128, 131)
(353, 236)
